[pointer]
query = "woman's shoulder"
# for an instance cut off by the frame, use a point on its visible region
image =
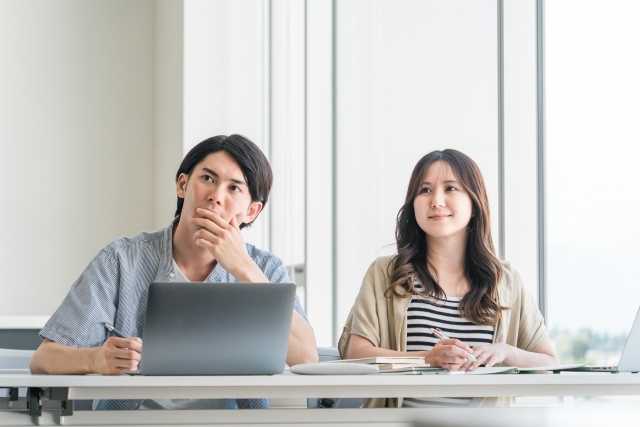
(510, 281)
(381, 265)
(383, 262)
(378, 273)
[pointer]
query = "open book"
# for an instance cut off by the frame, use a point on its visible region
(551, 368)
(350, 368)
(441, 371)
(487, 371)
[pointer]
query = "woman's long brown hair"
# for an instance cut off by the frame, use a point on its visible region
(482, 267)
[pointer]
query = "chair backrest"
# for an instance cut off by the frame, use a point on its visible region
(328, 353)
(20, 339)
(21, 332)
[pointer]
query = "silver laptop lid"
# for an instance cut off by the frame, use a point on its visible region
(217, 328)
(630, 359)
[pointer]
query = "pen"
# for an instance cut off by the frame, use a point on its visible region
(112, 329)
(438, 333)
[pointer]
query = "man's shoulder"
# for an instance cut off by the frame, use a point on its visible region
(261, 255)
(144, 243)
(268, 262)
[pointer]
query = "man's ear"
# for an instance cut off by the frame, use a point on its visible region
(181, 185)
(252, 212)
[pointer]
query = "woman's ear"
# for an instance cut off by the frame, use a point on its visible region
(181, 185)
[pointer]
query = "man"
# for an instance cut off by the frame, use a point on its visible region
(222, 186)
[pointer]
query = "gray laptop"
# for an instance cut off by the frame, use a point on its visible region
(630, 358)
(217, 328)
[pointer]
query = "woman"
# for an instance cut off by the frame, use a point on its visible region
(446, 276)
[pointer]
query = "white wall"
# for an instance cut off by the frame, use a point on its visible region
(120, 91)
(76, 81)
(167, 106)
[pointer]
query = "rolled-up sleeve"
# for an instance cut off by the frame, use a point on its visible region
(277, 272)
(91, 301)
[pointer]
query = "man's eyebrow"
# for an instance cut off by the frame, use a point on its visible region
(235, 181)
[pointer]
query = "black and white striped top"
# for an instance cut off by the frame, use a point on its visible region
(425, 313)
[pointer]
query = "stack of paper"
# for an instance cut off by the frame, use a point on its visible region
(387, 364)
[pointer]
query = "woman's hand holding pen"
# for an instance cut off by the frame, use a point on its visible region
(450, 354)
(488, 355)
(117, 356)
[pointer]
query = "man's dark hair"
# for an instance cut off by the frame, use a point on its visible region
(253, 163)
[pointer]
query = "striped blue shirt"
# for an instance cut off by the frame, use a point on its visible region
(114, 287)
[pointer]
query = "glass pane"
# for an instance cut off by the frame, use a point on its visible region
(412, 76)
(592, 174)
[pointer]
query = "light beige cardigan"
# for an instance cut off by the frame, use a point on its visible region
(383, 321)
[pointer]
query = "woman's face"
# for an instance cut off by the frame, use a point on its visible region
(442, 206)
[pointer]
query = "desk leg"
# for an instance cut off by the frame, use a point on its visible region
(60, 396)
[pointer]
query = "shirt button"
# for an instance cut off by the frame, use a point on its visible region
(172, 275)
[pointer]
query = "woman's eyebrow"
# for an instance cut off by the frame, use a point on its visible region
(209, 171)
(449, 181)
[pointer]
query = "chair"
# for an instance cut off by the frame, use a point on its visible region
(17, 344)
(15, 359)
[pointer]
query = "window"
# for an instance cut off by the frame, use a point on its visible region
(592, 175)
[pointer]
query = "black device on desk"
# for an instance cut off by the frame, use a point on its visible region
(217, 328)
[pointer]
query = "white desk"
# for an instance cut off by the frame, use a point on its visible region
(66, 387)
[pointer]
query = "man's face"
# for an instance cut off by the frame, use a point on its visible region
(218, 184)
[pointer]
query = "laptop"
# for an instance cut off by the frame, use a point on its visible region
(630, 358)
(217, 328)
